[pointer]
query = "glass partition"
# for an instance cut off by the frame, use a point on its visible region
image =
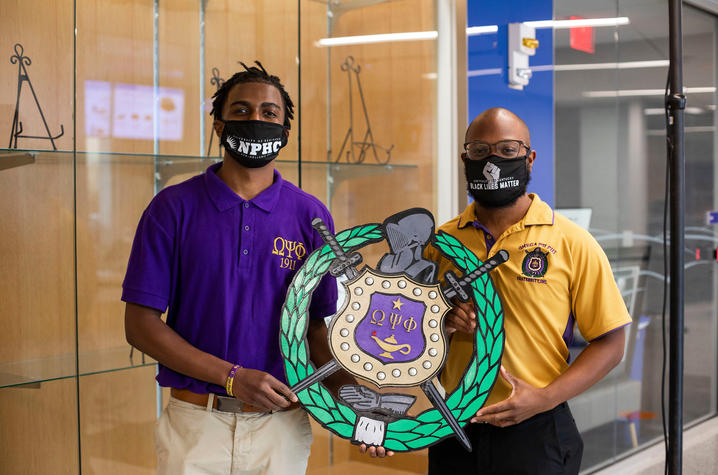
(611, 163)
(37, 289)
(368, 109)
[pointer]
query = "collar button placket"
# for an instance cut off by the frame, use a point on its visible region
(247, 229)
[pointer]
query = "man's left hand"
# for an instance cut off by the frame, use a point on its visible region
(525, 401)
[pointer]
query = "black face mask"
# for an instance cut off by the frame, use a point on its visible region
(253, 143)
(496, 182)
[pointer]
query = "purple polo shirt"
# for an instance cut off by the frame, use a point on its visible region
(223, 266)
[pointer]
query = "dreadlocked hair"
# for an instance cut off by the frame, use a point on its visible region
(252, 74)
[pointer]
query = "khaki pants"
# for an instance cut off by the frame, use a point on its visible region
(191, 439)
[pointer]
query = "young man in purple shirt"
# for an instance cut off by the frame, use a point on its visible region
(218, 252)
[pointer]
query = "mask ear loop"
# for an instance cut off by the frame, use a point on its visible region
(285, 135)
(526, 162)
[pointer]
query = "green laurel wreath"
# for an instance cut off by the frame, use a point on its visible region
(428, 427)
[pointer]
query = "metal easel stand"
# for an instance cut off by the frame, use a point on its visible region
(217, 81)
(367, 142)
(22, 61)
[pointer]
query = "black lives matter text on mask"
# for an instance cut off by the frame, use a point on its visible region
(495, 181)
(502, 184)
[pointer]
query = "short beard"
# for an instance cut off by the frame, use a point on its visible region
(513, 201)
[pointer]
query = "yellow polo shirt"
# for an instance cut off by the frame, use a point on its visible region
(556, 276)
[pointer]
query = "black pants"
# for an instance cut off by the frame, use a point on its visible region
(547, 443)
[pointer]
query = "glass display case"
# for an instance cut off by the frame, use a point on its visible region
(106, 103)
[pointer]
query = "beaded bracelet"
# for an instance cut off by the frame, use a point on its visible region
(230, 380)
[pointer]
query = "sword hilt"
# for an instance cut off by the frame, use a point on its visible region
(456, 285)
(455, 289)
(345, 264)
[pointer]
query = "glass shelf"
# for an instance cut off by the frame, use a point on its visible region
(172, 165)
(100, 268)
(12, 159)
(336, 172)
(31, 373)
(169, 166)
(15, 154)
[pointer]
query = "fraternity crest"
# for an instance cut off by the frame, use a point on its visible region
(390, 333)
(535, 263)
(390, 330)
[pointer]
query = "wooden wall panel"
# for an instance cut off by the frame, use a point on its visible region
(179, 63)
(112, 192)
(117, 420)
(399, 92)
(314, 114)
(46, 32)
(38, 429)
(36, 251)
(114, 47)
(249, 30)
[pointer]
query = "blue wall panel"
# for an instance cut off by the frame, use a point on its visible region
(488, 78)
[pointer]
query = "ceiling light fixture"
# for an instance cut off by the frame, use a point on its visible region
(580, 67)
(470, 31)
(561, 24)
(481, 30)
(645, 92)
(659, 63)
(382, 38)
(661, 111)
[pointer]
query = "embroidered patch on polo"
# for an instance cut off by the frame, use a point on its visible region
(535, 263)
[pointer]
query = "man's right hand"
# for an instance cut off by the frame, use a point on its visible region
(461, 318)
(262, 390)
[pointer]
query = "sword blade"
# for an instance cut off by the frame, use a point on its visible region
(323, 372)
(438, 402)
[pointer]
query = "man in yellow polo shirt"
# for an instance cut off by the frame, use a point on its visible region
(557, 276)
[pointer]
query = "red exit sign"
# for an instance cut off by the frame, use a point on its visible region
(582, 37)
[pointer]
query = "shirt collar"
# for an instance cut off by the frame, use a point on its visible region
(467, 217)
(538, 213)
(224, 198)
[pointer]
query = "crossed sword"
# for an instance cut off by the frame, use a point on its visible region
(345, 265)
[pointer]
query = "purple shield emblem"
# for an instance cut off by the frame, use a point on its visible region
(391, 330)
